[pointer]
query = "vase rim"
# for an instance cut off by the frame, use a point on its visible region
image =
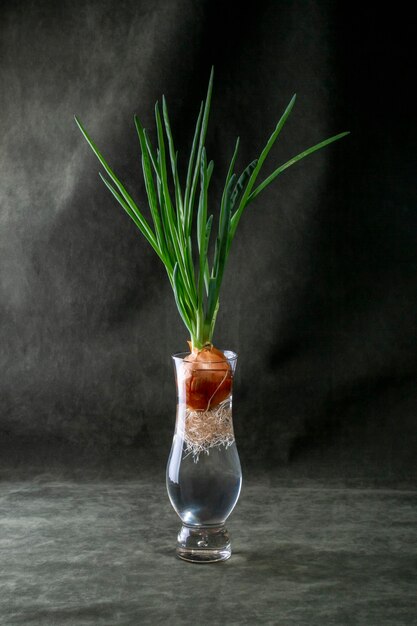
(229, 354)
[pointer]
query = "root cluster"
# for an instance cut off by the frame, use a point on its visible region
(208, 429)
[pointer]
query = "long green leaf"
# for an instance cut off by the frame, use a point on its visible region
(162, 159)
(295, 159)
(243, 179)
(231, 166)
(173, 158)
(203, 259)
(150, 186)
(202, 138)
(179, 300)
(144, 226)
(221, 251)
(236, 217)
(202, 207)
(132, 215)
(169, 215)
(187, 207)
(222, 204)
(153, 158)
(179, 198)
(168, 131)
(165, 226)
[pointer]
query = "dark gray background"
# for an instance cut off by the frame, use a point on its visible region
(319, 298)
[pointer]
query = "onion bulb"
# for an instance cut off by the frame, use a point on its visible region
(207, 378)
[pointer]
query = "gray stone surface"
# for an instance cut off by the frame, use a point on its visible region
(100, 551)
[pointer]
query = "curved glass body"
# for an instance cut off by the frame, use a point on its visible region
(204, 476)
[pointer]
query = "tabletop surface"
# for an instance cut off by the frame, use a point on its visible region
(101, 551)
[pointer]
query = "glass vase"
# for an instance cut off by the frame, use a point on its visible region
(204, 476)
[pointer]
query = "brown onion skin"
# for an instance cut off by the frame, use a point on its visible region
(208, 378)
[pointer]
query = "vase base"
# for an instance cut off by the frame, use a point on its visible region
(203, 544)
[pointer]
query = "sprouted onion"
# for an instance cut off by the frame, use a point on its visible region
(195, 281)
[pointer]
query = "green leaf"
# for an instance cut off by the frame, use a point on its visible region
(162, 160)
(203, 133)
(133, 216)
(153, 158)
(202, 207)
(173, 157)
(243, 179)
(210, 169)
(179, 299)
(168, 216)
(236, 217)
(295, 159)
(232, 163)
(187, 207)
(127, 199)
(203, 260)
(222, 205)
(150, 186)
(178, 198)
(221, 250)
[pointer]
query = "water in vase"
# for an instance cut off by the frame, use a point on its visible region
(204, 491)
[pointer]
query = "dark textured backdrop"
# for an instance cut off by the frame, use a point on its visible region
(320, 295)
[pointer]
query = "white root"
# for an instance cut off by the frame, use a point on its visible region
(208, 429)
